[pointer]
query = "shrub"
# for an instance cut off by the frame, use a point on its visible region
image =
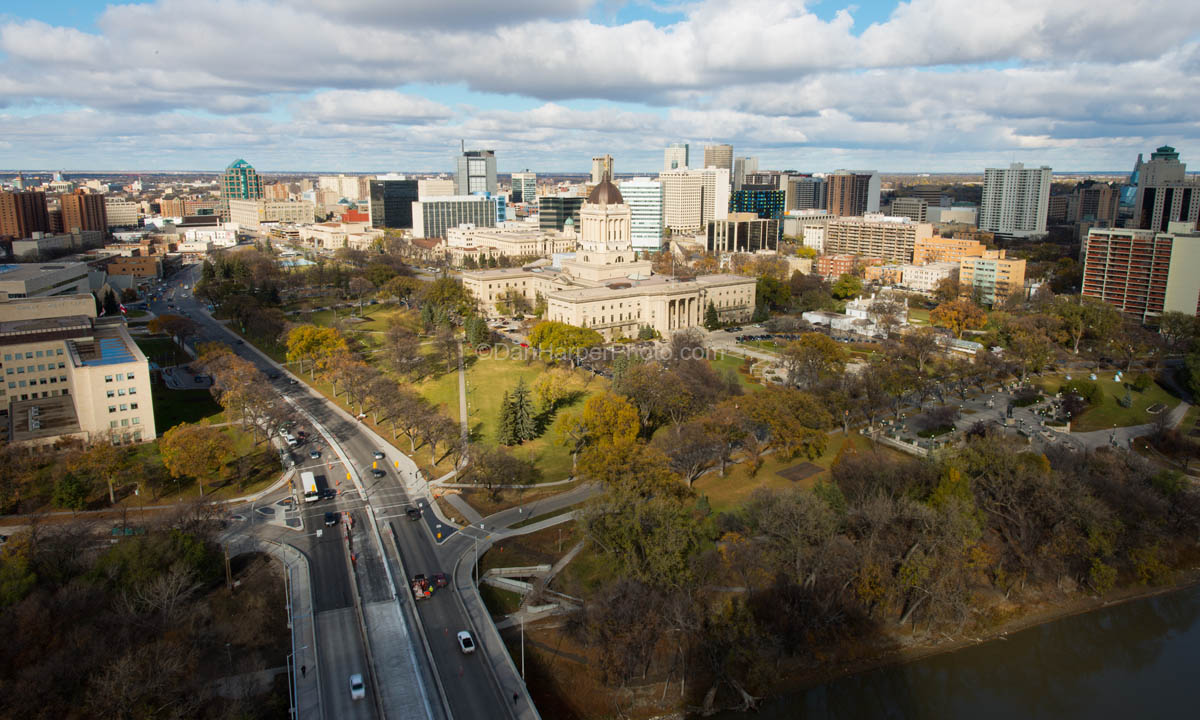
(1142, 382)
(1085, 389)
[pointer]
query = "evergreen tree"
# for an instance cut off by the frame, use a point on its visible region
(524, 426)
(427, 316)
(711, 321)
(506, 433)
(111, 306)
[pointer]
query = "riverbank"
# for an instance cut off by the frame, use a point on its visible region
(906, 649)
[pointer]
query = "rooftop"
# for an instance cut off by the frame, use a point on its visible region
(21, 272)
(18, 332)
(110, 346)
(42, 418)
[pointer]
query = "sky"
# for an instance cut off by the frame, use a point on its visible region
(395, 85)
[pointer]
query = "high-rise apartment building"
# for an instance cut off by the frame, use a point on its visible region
(555, 210)
(914, 209)
(805, 193)
(1144, 272)
(878, 236)
(1016, 200)
(602, 167)
(715, 198)
(852, 193)
(992, 277)
(239, 182)
(390, 202)
(742, 167)
(433, 216)
(719, 156)
(675, 157)
(1094, 202)
(524, 187)
(475, 172)
(645, 200)
(83, 211)
(22, 214)
(350, 187)
(1164, 193)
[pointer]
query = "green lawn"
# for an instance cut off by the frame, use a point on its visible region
(729, 492)
(499, 602)
(723, 363)
(1110, 413)
(136, 314)
(918, 316)
(162, 350)
(172, 407)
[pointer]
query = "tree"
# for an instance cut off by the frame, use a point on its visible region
(958, 316)
(691, 449)
(402, 350)
(772, 294)
(1030, 347)
(176, 326)
(402, 288)
(101, 462)
(812, 358)
(947, 289)
(711, 321)
(516, 417)
(109, 303)
(846, 287)
(888, 314)
(605, 420)
(359, 288)
(562, 339)
(195, 451)
(72, 492)
(919, 346)
(1086, 316)
(1178, 329)
(797, 421)
(493, 467)
(314, 345)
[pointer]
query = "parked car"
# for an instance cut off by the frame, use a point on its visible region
(465, 642)
(413, 513)
(358, 690)
(440, 580)
(331, 518)
(314, 454)
(378, 455)
(377, 473)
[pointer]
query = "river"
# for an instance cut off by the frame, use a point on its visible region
(1139, 659)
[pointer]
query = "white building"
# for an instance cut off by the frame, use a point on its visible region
(1015, 200)
(336, 235)
(683, 200)
(925, 278)
(602, 167)
(217, 236)
(121, 213)
(960, 214)
(27, 280)
(645, 199)
(350, 187)
(434, 216)
(435, 187)
(253, 213)
(858, 317)
(675, 157)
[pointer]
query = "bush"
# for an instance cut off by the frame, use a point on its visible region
(1142, 382)
(1085, 389)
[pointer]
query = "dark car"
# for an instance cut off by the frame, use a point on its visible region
(440, 580)
(328, 493)
(413, 514)
(240, 341)
(331, 518)
(378, 473)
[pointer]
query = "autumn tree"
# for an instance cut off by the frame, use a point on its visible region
(494, 467)
(315, 346)
(958, 316)
(176, 326)
(846, 287)
(604, 420)
(562, 339)
(812, 358)
(196, 451)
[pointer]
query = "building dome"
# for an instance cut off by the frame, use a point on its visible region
(605, 193)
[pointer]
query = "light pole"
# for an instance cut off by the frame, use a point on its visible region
(475, 567)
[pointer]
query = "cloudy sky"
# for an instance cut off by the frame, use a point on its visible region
(375, 85)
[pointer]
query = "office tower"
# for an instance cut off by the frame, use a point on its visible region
(743, 232)
(852, 193)
(1164, 194)
(742, 167)
(390, 203)
(475, 172)
(602, 167)
(22, 214)
(715, 197)
(1144, 272)
(763, 201)
(432, 217)
(675, 157)
(524, 187)
(1016, 201)
(645, 200)
(992, 276)
(719, 156)
(805, 193)
(555, 210)
(82, 211)
(240, 182)
(914, 209)
(683, 200)
(119, 212)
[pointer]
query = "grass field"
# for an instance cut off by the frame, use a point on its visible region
(1110, 413)
(918, 316)
(162, 350)
(723, 363)
(729, 492)
(172, 407)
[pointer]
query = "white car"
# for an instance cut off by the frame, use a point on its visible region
(465, 642)
(358, 691)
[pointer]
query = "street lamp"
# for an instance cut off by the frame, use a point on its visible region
(475, 567)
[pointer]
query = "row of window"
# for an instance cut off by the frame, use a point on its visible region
(124, 407)
(122, 392)
(45, 394)
(40, 367)
(120, 377)
(29, 355)
(125, 422)
(37, 381)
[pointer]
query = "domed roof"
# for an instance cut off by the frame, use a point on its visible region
(605, 193)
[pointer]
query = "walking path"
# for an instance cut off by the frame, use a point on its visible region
(464, 419)
(471, 514)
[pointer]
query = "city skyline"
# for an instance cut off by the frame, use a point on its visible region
(924, 86)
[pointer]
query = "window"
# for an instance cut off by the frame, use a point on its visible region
(112, 408)
(133, 406)
(137, 436)
(11, 385)
(121, 392)
(108, 378)
(42, 367)
(21, 370)
(120, 376)
(61, 366)
(125, 422)
(128, 376)
(110, 393)
(133, 391)
(8, 371)
(58, 352)
(28, 355)
(39, 353)
(62, 378)
(8, 356)
(22, 383)
(112, 423)
(137, 421)
(124, 407)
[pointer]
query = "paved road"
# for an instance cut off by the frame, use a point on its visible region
(472, 688)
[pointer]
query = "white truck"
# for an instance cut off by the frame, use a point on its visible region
(309, 483)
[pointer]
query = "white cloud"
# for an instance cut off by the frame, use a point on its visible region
(371, 107)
